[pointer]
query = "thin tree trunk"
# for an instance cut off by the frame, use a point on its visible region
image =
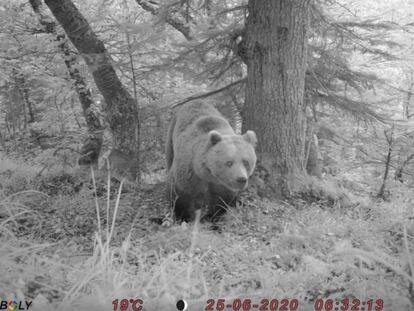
(92, 146)
(11, 118)
(2, 142)
(406, 112)
(134, 82)
(6, 122)
(29, 104)
(389, 138)
(120, 108)
(20, 102)
(24, 114)
(276, 40)
(399, 172)
(72, 106)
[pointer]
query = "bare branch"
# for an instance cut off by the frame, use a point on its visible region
(204, 95)
(152, 7)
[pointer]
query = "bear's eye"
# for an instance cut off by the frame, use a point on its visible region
(246, 163)
(229, 163)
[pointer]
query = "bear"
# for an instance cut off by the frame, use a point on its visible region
(208, 163)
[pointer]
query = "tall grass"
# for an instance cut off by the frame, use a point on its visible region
(265, 250)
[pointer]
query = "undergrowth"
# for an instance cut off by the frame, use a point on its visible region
(68, 250)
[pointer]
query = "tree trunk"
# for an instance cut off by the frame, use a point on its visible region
(29, 104)
(120, 108)
(2, 142)
(276, 42)
(400, 170)
(19, 101)
(92, 146)
(407, 103)
(389, 138)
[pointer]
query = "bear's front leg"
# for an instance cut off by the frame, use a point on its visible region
(185, 207)
(219, 199)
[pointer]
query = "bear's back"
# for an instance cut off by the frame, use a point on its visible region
(202, 117)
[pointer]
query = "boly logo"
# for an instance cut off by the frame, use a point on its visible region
(15, 305)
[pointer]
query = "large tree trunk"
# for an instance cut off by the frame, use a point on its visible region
(92, 146)
(276, 41)
(120, 107)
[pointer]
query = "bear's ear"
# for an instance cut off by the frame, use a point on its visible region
(250, 137)
(214, 137)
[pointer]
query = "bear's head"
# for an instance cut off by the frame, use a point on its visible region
(231, 159)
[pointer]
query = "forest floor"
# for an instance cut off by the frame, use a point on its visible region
(53, 254)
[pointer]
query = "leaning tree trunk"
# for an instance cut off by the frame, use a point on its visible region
(92, 146)
(276, 40)
(120, 107)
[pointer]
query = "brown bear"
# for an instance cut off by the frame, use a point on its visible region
(208, 163)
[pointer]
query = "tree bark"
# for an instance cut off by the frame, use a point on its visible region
(407, 103)
(389, 137)
(121, 110)
(276, 48)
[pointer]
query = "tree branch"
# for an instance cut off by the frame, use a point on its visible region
(204, 95)
(150, 6)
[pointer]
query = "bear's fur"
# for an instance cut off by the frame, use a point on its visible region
(208, 163)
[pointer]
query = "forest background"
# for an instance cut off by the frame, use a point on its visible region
(347, 232)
